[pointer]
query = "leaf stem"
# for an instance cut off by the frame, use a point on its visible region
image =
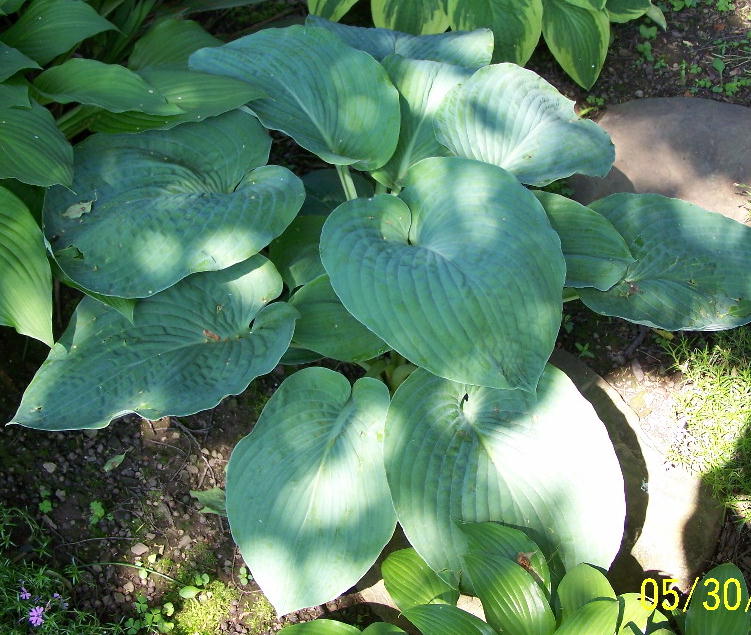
(347, 183)
(569, 294)
(380, 188)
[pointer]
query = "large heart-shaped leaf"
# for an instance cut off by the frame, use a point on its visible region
(511, 117)
(170, 42)
(195, 96)
(596, 254)
(48, 28)
(462, 274)
(12, 61)
(578, 38)
(516, 24)
(331, 99)
(307, 497)
(26, 281)
(411, 582)
(472, 49)
(422, 86)
(34, 150)
(330, 9)
(186, 349)
(410, 16)
(691, 266)
(147, 210)
(444, 619)
(512, 599)
(110, 86)
(543, 463)
(327, 328)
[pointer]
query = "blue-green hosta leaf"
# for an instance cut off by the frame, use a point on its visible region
(595, 618)
(580, 585)
(462, 274)
(295, 252)
(187, 349)
(12, 61)
(472, 49)
(170, 42)
(500, 540)
(411, 582)
(410, 16)
(330, 9)
(33, 149)
(48, 28)
(711, 611)
(307, 496)
(195, 96)
(511, 117)
(109, 86)
(578, 38)
(14, 96)
(124, 306)
(331, 99)
(320, 627)
(516, 24)
(627, 10)
(690, 269)
(511, 598)
(543, 463)
(444, 619)
(26, 281)
(596, 254)
(422, 86)
(147, 210)
(326, 327)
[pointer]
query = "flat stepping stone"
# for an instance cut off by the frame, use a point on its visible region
(672, 519)
(683, 147)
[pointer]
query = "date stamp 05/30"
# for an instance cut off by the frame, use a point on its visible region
(727, 594)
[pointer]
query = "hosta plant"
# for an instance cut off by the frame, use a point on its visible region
(519, 594)
(577, 32)
(424, 252)
(68, 66)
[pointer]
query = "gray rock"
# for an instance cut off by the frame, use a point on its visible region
(683, 147)
(139, 549)
(673, 521)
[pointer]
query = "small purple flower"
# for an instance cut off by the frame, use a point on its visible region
(35, 616)
(24, 594)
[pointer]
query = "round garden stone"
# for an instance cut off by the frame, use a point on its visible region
(684, 147)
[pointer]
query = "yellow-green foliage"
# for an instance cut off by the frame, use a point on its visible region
(204, 614)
